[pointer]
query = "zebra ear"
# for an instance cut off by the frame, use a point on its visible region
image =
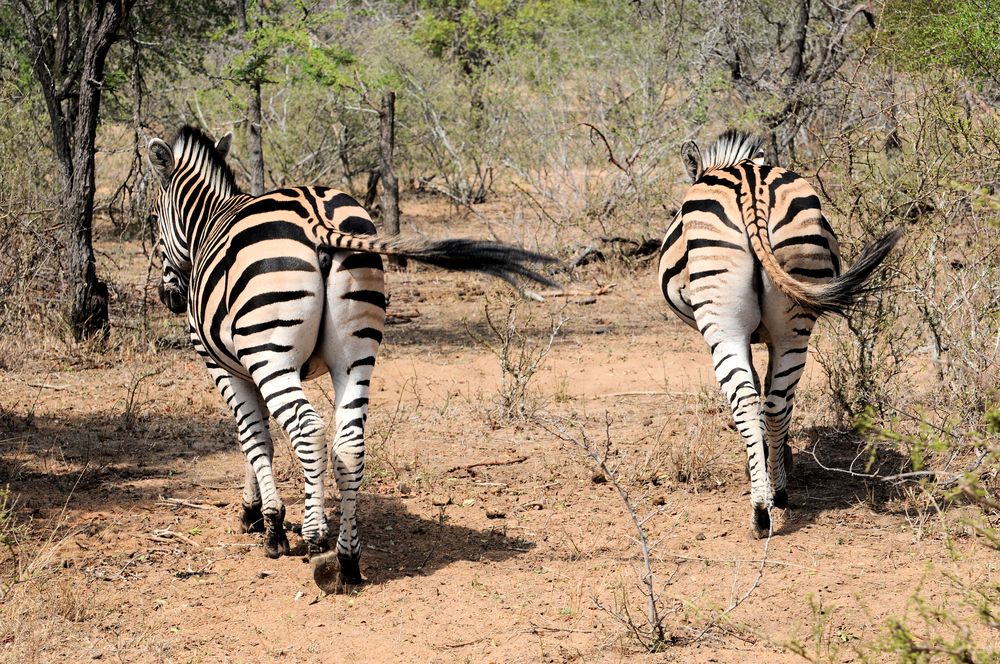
(223, 144)
(161, 158)
(692, 159)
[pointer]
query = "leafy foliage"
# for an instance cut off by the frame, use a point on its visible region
(922, 35)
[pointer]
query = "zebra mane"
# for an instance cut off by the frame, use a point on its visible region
(731, 148)
(193, 146)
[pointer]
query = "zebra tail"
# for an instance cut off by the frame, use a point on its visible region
(836, 296)
(503, 261)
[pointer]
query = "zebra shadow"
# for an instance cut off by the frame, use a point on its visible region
(836, 471)
(86, 474)
(397, 542)
(72, 465)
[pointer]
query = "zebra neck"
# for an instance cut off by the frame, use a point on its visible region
(213, 222)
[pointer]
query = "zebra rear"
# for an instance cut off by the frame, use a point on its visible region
(278, 289)
(751, 258)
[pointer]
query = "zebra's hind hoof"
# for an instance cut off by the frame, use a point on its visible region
(336, 573)
(252, 519)
(781, 499)
(761, 522)
(350, 570)
(326, 572)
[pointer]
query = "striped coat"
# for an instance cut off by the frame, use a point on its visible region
(750, 258)
(282, 288)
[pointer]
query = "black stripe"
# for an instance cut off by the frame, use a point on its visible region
(672, 237)
(715, 181)
(370, 296)
(817, 240)
(369, 333)
(291, 404)
(357, 403)
(694, 276)
(366, 261)
(729, 376)
(796, 206)
(260, 348)
(719, 363)
(709, 243)
(272, 376)
(266, 299)
(709, 206)
(790, 370)
(265, 326)
(363, 362)
(673, 271)
(266, 266)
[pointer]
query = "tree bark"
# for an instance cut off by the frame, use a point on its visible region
(390, 185)
(255, 146)
(70, 70)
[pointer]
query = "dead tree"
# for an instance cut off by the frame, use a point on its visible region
(69, 44)
(789, 54)
(390, 185)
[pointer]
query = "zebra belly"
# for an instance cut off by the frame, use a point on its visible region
(673, 273)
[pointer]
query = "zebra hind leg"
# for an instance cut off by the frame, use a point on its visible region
(260, 493)
(786, 366)
(307, 433)
(734, 371)
(252, 518)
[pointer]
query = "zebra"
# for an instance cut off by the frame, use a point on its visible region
(279, 289)
(750, 258)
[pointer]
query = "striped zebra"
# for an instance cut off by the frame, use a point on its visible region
(750, 258)
(282, 288)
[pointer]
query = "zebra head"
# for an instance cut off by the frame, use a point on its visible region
(191, 174)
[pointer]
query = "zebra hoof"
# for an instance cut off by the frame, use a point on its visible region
(350, 570)
(761, 522)
(336, 573)
(275, 540)
(326, 572)
(252, 519)
(781, 499)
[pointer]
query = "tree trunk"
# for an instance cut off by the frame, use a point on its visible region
(390, 186)
(254, 118)
(73, 99)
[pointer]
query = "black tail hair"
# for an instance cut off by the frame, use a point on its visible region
(462, 255)
(839, 295)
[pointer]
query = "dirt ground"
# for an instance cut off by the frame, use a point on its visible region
(127, 484)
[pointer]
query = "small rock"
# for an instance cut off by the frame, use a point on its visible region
(440, 501)
(403, 488)
(495, 514)
(659, 500)
(700, 537)
(598, 478)
(468, 502)
(299, 595)
(264, 573)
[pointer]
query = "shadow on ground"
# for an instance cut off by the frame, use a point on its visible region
(91, 466)
(834, 473)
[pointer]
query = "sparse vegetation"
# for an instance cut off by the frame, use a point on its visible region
(555, 124)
